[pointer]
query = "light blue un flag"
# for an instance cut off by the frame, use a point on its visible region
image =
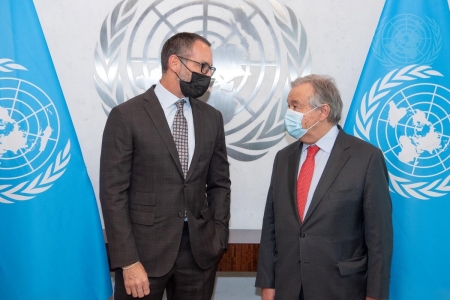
(402, 105)
(51, 241)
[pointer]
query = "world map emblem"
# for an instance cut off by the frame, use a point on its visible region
(256, 55)
(412, 128)
(407, 39)
(29, 134)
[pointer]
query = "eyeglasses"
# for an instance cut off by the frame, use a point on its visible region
(204, 67)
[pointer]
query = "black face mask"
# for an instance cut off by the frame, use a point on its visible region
(196, 87)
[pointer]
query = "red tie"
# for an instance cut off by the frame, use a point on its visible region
(304, 179)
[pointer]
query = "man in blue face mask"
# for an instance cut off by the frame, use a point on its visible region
(164, 181)
(327, 228)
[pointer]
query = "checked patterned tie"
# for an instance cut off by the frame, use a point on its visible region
(304, 179)
(180, 136)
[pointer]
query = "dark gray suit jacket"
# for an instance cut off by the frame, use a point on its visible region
(143, 192)
(343, 249)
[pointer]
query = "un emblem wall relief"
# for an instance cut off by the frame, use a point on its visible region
(257, 49)
(29, 137)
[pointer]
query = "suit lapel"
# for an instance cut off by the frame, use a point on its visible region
(294, 157)
(199, 123)
(336, 161)
(156, 113)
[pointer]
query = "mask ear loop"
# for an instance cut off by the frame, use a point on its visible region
(317, 121)
(313, 125)
(185, 67)
(314, 109)
(182, 79)
(178, 76)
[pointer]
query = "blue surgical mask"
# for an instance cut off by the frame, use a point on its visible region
(293, 122)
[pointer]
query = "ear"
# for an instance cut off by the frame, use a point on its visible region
(174, 63)
(324, 112)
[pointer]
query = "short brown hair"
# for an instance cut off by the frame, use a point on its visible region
(179, 44)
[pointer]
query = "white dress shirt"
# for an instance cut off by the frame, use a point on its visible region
(325, 144)
(167, 101)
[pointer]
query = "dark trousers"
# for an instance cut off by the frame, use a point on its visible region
(301, 295)
(186, 280)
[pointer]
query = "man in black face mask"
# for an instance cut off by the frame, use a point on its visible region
(164, 181)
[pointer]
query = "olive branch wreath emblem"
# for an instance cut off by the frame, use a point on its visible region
(363, 123)
(27, 190)
(388, 62)
(108, 81)
(112, 34)
(295, 40)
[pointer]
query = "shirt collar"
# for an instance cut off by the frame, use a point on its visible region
(326, 143)
(166, 98)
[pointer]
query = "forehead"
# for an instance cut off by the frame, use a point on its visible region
(201, 52)
(301, 94)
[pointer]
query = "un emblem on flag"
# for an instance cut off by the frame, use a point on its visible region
(29, 128)
(29, 135)
(414, 128)
(257, 55)
(410, 112)
(407, 39)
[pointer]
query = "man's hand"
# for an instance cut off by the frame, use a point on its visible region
(267, 294)
(136, 281)
(370, 298)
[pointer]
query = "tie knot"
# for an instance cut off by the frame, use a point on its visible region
(312, 150)
(180, 104)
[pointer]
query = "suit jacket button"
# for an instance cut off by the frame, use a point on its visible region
(302, 235)
(180, 214)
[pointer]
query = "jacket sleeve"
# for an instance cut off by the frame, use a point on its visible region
(218, 184)
(115, 171)
(265, 276)
(378, 227)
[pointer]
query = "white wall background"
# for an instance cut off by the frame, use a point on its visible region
(339, 33)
